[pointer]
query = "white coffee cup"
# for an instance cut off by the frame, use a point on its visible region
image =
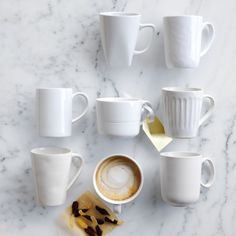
(122, 116)
(54, 111)
(184, 42)
(51, 170)
(119, 179)
(180, 175)
(119, 32)
(181, 111)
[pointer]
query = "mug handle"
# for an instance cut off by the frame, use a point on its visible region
(210, 111)
(211, 36)
(117, 208)
(147, 108)
(212, 172)
(86, 108)
(142, 26)
(75, 155)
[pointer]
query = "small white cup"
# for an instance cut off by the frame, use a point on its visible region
(117, 205)
(122, 116)
(181, 111)
(51, 169)
(180, 174)
(54, 111)
(119, 32)
(183, 40)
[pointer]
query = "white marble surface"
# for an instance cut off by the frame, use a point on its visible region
(57, 43)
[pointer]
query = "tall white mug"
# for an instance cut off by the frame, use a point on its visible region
(180, 175)
(120, 116)
(184, 42)
(54, 111)
(119, 32)
(181, 111)
(51, 169)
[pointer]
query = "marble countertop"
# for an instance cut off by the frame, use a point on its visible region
(56, 43)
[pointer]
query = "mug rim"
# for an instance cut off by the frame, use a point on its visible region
(118, 99)
(56, 88)
(117, 202)
(182, 16)
(48, 151)
(119, 14)
(180, 155)
(182, 89)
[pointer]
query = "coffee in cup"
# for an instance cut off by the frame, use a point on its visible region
(118, 179)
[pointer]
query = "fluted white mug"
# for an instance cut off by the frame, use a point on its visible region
(181, 111)
(119, 32)
(180, 175)
(51, 169)
(121, 116)
(184, 42)
(54, 111)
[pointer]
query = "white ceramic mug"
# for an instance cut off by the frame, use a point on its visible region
(118, 174)
(184, 42)
(54, 111)
(181, 111)
(122, 116)
(180, 175)
(51, 169)
(119, 32)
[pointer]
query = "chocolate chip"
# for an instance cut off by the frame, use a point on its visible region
(87, 217)
(84, 210)
(90, 231)
(102, 211)
(111, 221)
(98, 230)
(100, 221)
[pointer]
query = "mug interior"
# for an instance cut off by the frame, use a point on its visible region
(53, 89)
(181, 89)
(118, 99)
(121, 14)
(180, 154)
(50, 151)
(111, 200)
(182, 16)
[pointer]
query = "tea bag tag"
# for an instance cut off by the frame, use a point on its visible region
(156, 133)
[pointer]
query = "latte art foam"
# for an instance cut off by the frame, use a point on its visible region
(118, 178)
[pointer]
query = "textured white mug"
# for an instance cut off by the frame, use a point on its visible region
(117, 204)
(184, 42)
(180, 175)
(51, 169)
(54, 111)
(119, 32)
(122, 116)
(181, 111)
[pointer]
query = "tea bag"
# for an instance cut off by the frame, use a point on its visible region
(156, 133)
(88, 215)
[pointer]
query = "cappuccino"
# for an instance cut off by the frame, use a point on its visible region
(118, 178)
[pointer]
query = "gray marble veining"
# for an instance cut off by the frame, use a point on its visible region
(57, 43)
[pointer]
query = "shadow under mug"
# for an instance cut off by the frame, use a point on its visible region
(119, 116)
(117, 204)
(119, 32)
(180, 175)
(51, 169)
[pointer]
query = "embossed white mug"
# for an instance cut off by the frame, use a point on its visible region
(180, 175)
(51, 169)
(119, 116)
(181, 111)
(119, 32)
(184, 42)
(54, 111)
